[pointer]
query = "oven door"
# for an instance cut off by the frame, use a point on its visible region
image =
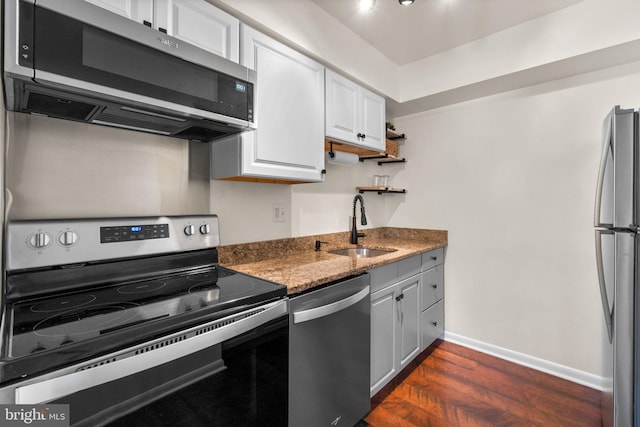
(229, 372)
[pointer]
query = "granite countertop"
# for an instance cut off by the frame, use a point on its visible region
(293, 262)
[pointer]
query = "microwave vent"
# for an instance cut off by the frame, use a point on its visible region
(200, 133)
(129, 121)
(55, 106)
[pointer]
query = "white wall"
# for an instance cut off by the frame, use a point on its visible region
(245, 209)
(577, 30)
(512, 177)
(327, 207)
(63, 169)
(308, 28)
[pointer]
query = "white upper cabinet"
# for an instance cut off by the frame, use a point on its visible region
(354, 114)
(137, 10)
(289, 113)
(194, 21)
(201, 24)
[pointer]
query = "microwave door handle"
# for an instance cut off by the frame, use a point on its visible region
(602, 282)
(607, 147)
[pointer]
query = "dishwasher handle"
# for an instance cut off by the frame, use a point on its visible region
(334, 307)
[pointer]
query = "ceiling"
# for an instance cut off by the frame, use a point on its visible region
(405, 34)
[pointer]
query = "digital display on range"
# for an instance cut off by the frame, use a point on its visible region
(130, 233)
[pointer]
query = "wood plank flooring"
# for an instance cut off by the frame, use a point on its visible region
(450, 385)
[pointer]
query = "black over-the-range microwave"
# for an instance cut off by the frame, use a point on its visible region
(74, 60)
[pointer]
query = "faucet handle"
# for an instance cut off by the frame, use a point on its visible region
(318, 243)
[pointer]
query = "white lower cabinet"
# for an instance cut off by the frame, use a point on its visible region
(432, 322)
(432, 297)
(395, 319)
(409, 319)
(384, 356)
(407, 313)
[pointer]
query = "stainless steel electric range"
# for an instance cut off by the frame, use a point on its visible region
(131, 321)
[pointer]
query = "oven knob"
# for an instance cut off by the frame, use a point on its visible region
(68, 238)
(39, 240)
(205, 229)
(190, 230)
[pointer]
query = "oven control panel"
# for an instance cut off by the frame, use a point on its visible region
(40, 243)
(127, 233)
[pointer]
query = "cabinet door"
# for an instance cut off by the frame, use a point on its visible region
(372, 120)
(289, 99)
(432, 286)
(383, 337)
(137, 10)
(432, 258)
(201, 24)
(342, 99)
(409, 316)
(432, 324)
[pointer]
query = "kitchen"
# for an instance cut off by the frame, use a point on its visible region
(520, 271)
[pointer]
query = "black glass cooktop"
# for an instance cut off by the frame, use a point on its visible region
(44, 325)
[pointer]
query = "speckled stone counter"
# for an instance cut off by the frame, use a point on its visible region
(294, 262)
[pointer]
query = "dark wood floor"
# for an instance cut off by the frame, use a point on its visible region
(457, 386)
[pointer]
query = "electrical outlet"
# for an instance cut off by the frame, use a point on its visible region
(279, 213)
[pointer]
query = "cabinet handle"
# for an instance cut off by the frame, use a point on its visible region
(162, 30)
(147, 23)
(364, 136)
(434, 323)
(399, 297)
(360, 135)
(434, 286)
(435, 258)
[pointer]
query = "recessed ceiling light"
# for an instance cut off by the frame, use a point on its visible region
(406, 2)
(366, 5)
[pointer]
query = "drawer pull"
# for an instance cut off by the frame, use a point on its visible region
(435, 258)
(434, 286)
(434, 323)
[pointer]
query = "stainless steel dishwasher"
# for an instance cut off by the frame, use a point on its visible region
(329, 354)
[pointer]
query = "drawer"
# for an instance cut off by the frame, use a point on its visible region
(432, 258)
(432, 286)
(432, 324)
(409, 267)
(383, 276)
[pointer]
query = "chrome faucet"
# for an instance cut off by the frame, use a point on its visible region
(363, 220)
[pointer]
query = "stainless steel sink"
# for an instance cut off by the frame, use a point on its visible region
(361, 252)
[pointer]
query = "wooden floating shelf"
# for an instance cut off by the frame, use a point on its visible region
(392, 134)
(380, 190)
(390, 153)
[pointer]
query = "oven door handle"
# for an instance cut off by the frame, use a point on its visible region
(57, 387)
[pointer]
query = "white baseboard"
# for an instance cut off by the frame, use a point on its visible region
(551, 368)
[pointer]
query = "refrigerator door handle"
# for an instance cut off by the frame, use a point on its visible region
(607, 150)
(602, 282)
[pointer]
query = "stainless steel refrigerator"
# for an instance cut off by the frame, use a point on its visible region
(617, 212)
